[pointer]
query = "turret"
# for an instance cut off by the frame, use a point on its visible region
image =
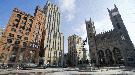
(91, 39)
(116, 19)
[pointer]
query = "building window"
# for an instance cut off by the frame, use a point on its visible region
(20, 31)
(23, 22)
(30, 25)
(31, 21)
(13, 29)
(18, 36)
(28, 29)
(59, 53)
(16, 20)
(23, 27)
(15, 25)
(24, 44)
(11, 35)
(19, 16)
(25, 18)
(9, 40)
(26, 38)
(17, 42)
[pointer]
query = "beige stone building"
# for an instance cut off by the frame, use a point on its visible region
(54, 40)
(75, 49)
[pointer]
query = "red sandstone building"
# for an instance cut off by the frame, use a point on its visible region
(33, 39)
(22, 38)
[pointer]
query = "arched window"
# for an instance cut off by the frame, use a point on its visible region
(19, 16)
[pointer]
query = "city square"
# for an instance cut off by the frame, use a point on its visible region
(67, 37)
(70, 71)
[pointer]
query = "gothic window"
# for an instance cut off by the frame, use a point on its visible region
(118, 25)
(117, 55)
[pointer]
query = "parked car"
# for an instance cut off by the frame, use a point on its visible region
(28, 65)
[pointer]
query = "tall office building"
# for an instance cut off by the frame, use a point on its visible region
(54, 40)
(75, 49)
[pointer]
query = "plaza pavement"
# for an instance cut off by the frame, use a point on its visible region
(69, 71)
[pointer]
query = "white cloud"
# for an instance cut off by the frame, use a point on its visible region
(103, 25)
(67, 7)
(80, 30)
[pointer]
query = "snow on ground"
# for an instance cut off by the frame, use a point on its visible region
(67, 71)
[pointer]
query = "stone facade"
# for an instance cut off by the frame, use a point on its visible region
(54, 40)
(75, 49)
(113, 47)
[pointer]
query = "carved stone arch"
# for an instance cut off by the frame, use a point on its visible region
(109, 57)
(117, 56)
(101, 58)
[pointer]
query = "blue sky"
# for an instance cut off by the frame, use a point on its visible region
(75, 12)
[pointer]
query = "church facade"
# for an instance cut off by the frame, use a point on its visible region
(113, 47)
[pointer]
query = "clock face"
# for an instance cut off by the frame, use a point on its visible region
(115, 13)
